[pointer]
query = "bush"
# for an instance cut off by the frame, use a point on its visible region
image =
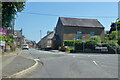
(68, 43)
(91, 44)
(118, 49)
(57, 44)
(119, 41)
(78, 45)
(96, 38)
(111, 45)
(69, 49)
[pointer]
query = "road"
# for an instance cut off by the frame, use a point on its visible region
(58, 65)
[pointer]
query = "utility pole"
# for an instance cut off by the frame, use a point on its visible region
(40, 34)
(21, 41)
(116, 34)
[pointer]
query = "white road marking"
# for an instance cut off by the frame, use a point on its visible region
(95, 63)
(37, 59)
(73, 56)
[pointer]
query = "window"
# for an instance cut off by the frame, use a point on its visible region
(79, 35)
(92, 34)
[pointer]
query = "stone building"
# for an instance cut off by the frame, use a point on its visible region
(67, 28)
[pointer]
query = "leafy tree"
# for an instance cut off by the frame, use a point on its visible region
(112, 35)
(106, 37)
(2, 37)
(9, 10)
(96, 38)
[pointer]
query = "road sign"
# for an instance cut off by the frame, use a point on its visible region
(83, 41)
(2, 43)
(83, 38)
(15, 33)
(73, 38)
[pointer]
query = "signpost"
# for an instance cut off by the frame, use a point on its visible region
(83, 40)
(2, 44)
(74, 42)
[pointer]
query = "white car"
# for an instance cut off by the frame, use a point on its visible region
(25, 46)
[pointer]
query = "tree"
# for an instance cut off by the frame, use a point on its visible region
(96, 38)
(119, 41)
(9, 10)
(112, 35)
(113, 26)
(106, 37)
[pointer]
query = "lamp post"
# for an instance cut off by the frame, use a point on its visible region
(116, 34)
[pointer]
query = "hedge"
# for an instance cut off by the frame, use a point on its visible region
(91, 44)
(119, 41)
(68, 43)
(111, 45)
(78, 45)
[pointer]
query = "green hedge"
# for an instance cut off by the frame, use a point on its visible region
(119, 41)
(68, 43)
(91, 44)
(78, 45)
(111, 45)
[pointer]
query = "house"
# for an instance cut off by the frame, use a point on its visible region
(67, 28)
(46, 42)
(31, 44)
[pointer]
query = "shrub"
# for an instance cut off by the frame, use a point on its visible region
(57, 44)
(119, 41)
(96, 38)
(78, 45)
(118, 49)
(69, 49)
(111, 45)
(68, 43)
(91, 44)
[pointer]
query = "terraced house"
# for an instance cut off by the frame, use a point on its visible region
(67, 28)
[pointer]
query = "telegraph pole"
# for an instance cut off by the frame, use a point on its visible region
(116, 34)
(40, 34)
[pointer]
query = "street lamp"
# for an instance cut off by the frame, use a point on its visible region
(116, 34)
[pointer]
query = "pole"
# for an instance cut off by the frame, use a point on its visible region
(83, 46)
(116, 34)
(21, 41)
(74, 43)
(40, 34)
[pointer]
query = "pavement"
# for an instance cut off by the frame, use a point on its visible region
(69, 65)
(14, 63)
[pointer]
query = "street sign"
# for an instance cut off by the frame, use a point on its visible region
(83, 39)
(73, 38)
(2, 43)
(15, 33)
(15, 36)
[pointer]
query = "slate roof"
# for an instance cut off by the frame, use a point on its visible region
(51, 33)
(80, 22)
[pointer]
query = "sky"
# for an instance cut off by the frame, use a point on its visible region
(44, 15)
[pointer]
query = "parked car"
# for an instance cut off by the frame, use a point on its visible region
(25, 46)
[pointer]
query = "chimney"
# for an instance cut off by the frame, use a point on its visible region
(48, 32)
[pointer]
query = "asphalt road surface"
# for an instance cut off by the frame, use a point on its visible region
(58, 65)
